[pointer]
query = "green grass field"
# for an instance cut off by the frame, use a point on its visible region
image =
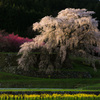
(45, 89)
(8, 80)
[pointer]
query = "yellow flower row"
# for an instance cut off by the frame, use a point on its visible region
(79, 95)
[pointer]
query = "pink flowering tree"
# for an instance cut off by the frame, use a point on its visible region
(73, 31)
(15, 41)
(11, 42)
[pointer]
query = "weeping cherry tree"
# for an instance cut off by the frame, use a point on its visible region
(72, 32)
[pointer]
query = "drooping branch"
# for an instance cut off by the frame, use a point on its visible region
(71, 32)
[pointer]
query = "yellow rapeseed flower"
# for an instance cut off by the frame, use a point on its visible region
(47, 96)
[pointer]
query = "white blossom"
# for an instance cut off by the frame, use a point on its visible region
(71, 29)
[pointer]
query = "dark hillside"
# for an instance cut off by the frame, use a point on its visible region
(18, 15)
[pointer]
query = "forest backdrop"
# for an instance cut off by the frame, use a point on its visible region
(18, 15)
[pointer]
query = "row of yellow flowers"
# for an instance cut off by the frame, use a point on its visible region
(25, 96)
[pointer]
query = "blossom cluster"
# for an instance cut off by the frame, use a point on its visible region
(11, 42)
(72, 31)
(79, 96)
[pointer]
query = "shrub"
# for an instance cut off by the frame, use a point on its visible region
(3, 41)
(11, 42)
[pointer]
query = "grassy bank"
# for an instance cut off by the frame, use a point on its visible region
(8, 80)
